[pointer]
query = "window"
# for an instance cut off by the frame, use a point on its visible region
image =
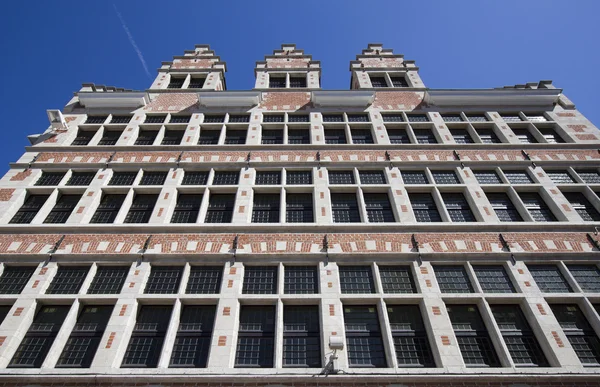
(83, 137)
(192, 342)
(298, 136)
(172, 137)
(414, 177)
(451, 117)
(584, 208)
(379, 208)
(525, 136)
(579, 332)
(333, 117)
(50, 178)
(298, 177)
(409, 335)
(220, 208)
(271, 136)
(298, 118)
(265, 208)
(301, 336)
(255, 346)
(122, 178)
(155, 119)
(108, 209)
(297, 81)
(445, 177)
(397, 279)
(226, 177)
(214, 118)
(589, 176)
(273, 118)
(494, 279)
(29, 209)
(14, 279)
(372, 177)
(85, 337)
(358, 118)
(39, 338)
(536, 206)
(487, 177)
(453, 279)
(153, 178)
(503, 207)
(424, 207)
(196, 83)
(62, 209)
(549, 279)
(458, 207)
(195, 178)
(472, 336)
(488, 136)
(477, 117)
(341, 177)
(299, 208)
(361, 136)
(536, 117)
(180, 119)
(417, 117)
(146, 342)
(277, 82)
(176, 83)
(146, 137)
(209, 137)
(95, 119)
(187, 208)
(335, 136)
(300, 280)
(164, 280)
(260, 280)
(110, 137)
(511, 117)
(120, 119)
(68, 280)
(518, 177)
(268, 177)
(363, 337)
(108, 280)
(399, 81)
(461, 136)
(239, 118)
(424, 136)
(392, 117)
(204, 280)
(561, 177)
(518, 336)
(378, 81)
(141, 209)
(81, 178)
(551, 136)
(4, 309)
(235, 137)
(398, 136)
(344, 208)
(587, 276)
(356, 279)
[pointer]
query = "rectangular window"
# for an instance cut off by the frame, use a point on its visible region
(146, 137)
(268, 177)
(477, 117)
(120, 119)
(445, 177)
(518, 177)
(424, 136)
(108, 280)
(62, 209)
(141, 209)
(271, 136)
(301, 336)
(298, 136)
(398, 136)
(235, 137)
(220, 208)
(214, 118)
(453, 279)
(83, 137)
(68, 280)
(451, 117)
(561, 177)
(300, 280)
(356, 279)
(587, 276)
(584, 208)
(277, 82)
(260, 280)
(298, 81)
(155, 119)
(414, 177)
(273, 118)
(95, 119)
(180, 120)
(209, 137)
(551, 136)
(204, 280)
(335, 136)
(108, 209)
(146, 342)
(239, 118)
(176, 83)
(488, 136)
(39, 338)
(50, 178)
(298, 118)
(29, 209)
(341, 177)
(525, 136)
(503, 207)
(172, 137)
(196, 83)
(536, 117)
(579, 332)
(379, 208)
(511, 117)
(153, 178)
(192, 342)
(195, 178)
(344, 208)
(363, 337)
(226, 177)
(333, 117)
(265, 208)
(458, 208)
(424, 207)
(358, 118)
(589, 176)
(372, 177)
(299, 208)
(409, 335)
(473, 339)
(298, 177)
(399, 81)
(487, 177)
(537, 208)
(81, 178)
(187, 208)
(392, 117)
(361, 136)
(494, 279)
(85, 337)
(397, 279)
(122, 178)
(461, 136)
(417, 118)
(164, 280)
(256, 337)
(14, 279)
(549, 279)
(110, 137)
(378, 81)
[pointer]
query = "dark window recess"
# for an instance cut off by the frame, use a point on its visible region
(335, 136)
(399, 81)
(539, 211)
(95, 119)
(50, 178)
(255, 346)
(239, 118)
(424, 207)
(587, 276)
(361, 136)
(518, 177)
(260, 280)
(14, 279)
(379, 208)
(299, 208)
(356, 279)
(477, 117)
(180, 119)
(551, 136)
(214, 118)
(85, 337)
(372, 177)
(397, 279)
(220, 208)
(209, 137)
(333, 117)
(196, 83)
(271, 136)
(110, 137)
(579, 332)
(409, 335)
(451, 117)
(358, 118)
(187, 208)
(146, 137)
(549, 279)
(146, 342)
(363, 337)
(176, 83)
(417, 118)
(344, 208)
(301, 280)
(398, 136)
(204, 280)
(120, 119)
(301, 336)
(29, 209)
(265, 208)
(472, 336)
(153, 178)
(298, 136)
(62, 209)
(195, 178)
(122, 178)
(81, 178)
(589, 176)
(192, 342)
(298, 177)
(298, 118)
(108, 209)
(584, 208)
(488, 136)
(487, 177)
(453, 279)
(392, 117)
(525, 136)
(561, 177)
(108, 280)
(414, 177)
(458, 208)
(273, 118)
(494, 279)
(378, 81)
(164, 280)
(235, 137)
(341, 177)
(155, 119)
(511, 117)
(83, 137)
(172, 137)
(461, 136)
(503, 207)
(424, 136)
(298, 81)
(4, 309)
(277, 82)
(68, 280)
(39, 338)
(141, 209)
(226, 177)
(445, 177)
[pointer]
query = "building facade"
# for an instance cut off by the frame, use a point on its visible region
(386, 235)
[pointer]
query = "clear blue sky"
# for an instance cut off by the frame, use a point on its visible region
(50, 47)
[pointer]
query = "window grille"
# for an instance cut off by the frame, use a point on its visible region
(525, 136)
(487, 177)
(155, 119)
(226, 177)
(299, 208)
(536, 118)
(333, 118)
(153, 178)
(587, 276)
(341, 177)
(204, 280)
(461, 136)
(549, 279)
(451, 117)
(372, 177)
(235, 137)
(301, 336)
(122, 178)
(361, 136)
(146, 342)
(255, 346)
(141, 209)
(458, 208)
(414, 177)
(29, 209)
(62, 209)
(358, 118)
(424, 136)
(392, 117)
(265, 208)
(50, 178)
(180, 119)
(298, 136)
(95, 119)
(146, 137)
(363, 337)
(209, 137)
(108, 209)
(504, 207)
(68, 280)
(260, 280)
(214, 118)
(335, 136)
(195, 178)
(477, 117)
(192, 342)
(110, 137)
(445, 177)
(378, 81)
(187, 208)
(271, 136)
(298, 118)
(14, 279)
(398, 136)
(518, 177)
(344, 208)
(551, 136)
(488, 136)
(561, 177)
(298, 177)
(298, 82)
(397, 279)
(584, 208)
(196, 83)
(164, 280)
(537, 208)
(511, 117)
(589, 176)
(417, 118)
(494, 279)
(273, 118)
(399, 81)
(220, 208)
(83, 137)
(277, 82)
(120, 119)
(176, 83)
(172, 137)
(379, 208)
(81, 178)
(108, 280)
(424, 207)
(300, 280)
(579, 332)
(356, 279)
(453, 279)
(409, 335)
(473, 339)
(239, 118)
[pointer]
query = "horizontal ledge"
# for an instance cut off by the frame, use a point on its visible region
(354, 98)
(489, 97)
(229, 98)
(129, 99)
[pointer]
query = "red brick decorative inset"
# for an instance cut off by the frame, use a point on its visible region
(232, 270)
(123, 310)
(6, 194)
(565, 114)
(285, 101)
(132, 284)
(227, 311)
(18, 312)
(520, 271)
(445, 340)
(230, 283)
(557, 338)
(428, 283)
(424, 270)
(331, 310)
(21, 175)
(2, 340)
(35, 284)
(527, 283)
(43, 271)
(436, 310)
(541, 309)
(222, 341)
(111, 338)
(242, 209)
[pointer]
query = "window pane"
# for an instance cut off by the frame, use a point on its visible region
(29, 209)
(335, 136)
(298, 136)
(68, 280)
(361, 136)
(494, 279)
(581, 336)
(458, 208)
(424, 136)
(301, 336)
(268, 177)
(195, 178)
(487, 177)
(265, 208)
(141, 209)
(81, 178)
(204, 280)
(192, 343)
(209, 137)
(363, 337)
(122, 178)
(299, 208)
(445, 177)
(549, 279)
(235, 137)
(14, 279)
(414, 177)
(256, 337)
(164, 280)
(589, 176)
(424, 207)
(379, 208)
(50, 178)
(187, 208)
(584, 208)
(392, 117)
(344, 208)
(272, 136)
(372, 177)
(62, 209)
(300, 280)
(145, 346)
(146, 137)
(298, 177)
(537, 208)
(453, 279)
(587, 276)
(397, 279)
(503, 207)
(108, 209)
(398, 136)
(561, 177)
(341, 177)
(410, 338)
(260, 280)
(108, 280)
(518, 177)
(226, 177)
(153, 178)
(356, 279)
(172, 137)
(220, 208)
(473, 339)
(461, 136)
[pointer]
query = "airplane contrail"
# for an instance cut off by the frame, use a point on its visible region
(132, 41)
